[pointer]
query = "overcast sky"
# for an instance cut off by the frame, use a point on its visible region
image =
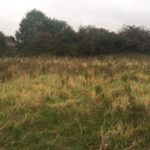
(109, 14)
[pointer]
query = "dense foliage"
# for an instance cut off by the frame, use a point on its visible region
(3, 46)
(7, 44)
(2, 40)
(90, 41)
(35, 21)
(39, 34)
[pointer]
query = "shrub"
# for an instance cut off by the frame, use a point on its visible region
(2, 40)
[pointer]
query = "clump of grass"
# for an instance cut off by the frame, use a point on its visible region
(133, 77)
(98, 89)
(124, 77)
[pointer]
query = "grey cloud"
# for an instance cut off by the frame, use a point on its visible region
(110, 14)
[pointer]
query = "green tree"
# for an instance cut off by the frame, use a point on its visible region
(135, 39)
(36, 21)
(92, 40)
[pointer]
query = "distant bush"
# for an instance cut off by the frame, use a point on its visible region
(6, 46)
(135, 39)
(2, 40)
(3, 46)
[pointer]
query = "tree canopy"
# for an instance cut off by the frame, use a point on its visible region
(36, 21)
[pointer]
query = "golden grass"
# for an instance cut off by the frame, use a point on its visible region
(95, 103)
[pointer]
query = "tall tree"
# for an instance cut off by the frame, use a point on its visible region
(36, 21)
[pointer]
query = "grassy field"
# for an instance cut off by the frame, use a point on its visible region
(63, 103)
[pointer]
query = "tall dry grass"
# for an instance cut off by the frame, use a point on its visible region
(64, 103)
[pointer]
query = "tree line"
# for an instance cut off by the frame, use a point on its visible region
(39, 34)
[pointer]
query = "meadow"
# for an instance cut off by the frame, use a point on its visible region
(65, 103)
